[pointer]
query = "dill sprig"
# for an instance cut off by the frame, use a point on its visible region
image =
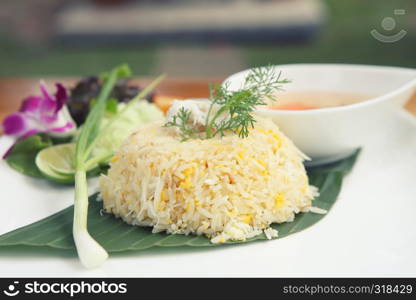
(181, 120)
(232, 110)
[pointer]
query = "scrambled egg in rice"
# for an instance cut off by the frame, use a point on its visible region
(226, 188)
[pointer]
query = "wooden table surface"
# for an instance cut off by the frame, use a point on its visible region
(13, 90)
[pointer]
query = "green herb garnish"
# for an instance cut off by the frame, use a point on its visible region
(181, 120)
(232, 110)
(90, 252)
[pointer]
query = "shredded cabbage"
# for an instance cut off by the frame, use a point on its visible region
(141, 113)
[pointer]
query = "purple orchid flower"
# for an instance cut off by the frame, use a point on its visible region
(46, 113)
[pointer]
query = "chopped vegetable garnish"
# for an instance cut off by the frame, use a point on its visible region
(87, 90)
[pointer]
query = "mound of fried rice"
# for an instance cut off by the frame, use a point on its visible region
(226, 188)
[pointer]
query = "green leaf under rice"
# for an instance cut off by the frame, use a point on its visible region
(115, 235)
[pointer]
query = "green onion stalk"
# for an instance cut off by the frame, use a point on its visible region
(90, 252)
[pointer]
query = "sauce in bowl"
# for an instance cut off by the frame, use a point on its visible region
(305, 100)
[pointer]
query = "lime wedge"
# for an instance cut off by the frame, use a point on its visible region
(57, 163)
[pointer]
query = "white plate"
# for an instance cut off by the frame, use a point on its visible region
(370, 231)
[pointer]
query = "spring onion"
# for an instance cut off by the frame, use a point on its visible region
(91, 253)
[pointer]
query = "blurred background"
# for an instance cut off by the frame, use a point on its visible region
(195, 38)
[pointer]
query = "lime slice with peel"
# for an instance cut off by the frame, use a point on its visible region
(57, 163)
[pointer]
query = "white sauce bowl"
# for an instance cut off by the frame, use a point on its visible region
(328, 134)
